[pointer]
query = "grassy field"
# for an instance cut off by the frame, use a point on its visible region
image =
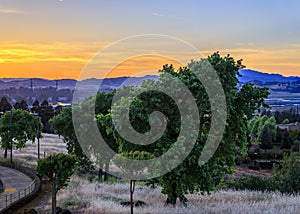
(49, 144)
(84, 196)
(90, 197)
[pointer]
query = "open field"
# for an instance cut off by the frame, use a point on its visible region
(105, 198)
(49, 144)
(83, 196)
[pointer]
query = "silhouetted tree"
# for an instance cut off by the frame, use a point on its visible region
(21, 105)
(35, 107)
(4, 105)
(46, 113)
(286, 141)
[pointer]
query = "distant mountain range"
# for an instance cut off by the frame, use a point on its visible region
(252, 76)
(113, 83)
(62, 90)
(34, 83)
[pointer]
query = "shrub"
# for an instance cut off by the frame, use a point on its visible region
(249, 183)
(288, 175)
(285, 178)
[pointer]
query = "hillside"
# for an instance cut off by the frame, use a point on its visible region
(252, 76)
(284, 91)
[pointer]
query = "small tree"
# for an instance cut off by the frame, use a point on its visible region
(286, 121)
(286, 141)
(21, 105)
(296, 146)
(35, 107)
(266, 139)
(4, 105)
(58, 168)
(62, 125)
(287, 179)
(132, 168)
(23, 126)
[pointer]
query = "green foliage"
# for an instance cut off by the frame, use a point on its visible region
(263, 129)
(24, 128)
(290, 115)
(189, 177)
(287, 176)
(58, 168)
(285, 121)
(251, 182)
(62, 124)
(296, 146)
(130, 167)
(286, 140)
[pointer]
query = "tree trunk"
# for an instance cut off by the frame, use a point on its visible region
(106, 172)
(132, 187)
(5, 153)
(100, 172)
(54, 197)
(172, 197)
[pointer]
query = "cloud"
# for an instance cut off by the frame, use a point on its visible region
(158, 14)
(18, 52)
(167, 16)
(11, 11)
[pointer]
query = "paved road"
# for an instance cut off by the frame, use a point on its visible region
(13, 181)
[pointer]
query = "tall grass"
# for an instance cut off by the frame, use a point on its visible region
(92, 197)
(49, 144)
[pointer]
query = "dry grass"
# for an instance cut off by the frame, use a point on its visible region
(49, 144)
(88, 197)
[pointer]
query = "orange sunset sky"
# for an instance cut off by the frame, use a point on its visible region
(56, 39)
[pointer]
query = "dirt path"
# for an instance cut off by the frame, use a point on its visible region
(39, 203)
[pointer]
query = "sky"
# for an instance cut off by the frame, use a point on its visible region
(57, 39)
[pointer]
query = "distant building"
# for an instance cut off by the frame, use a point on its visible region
(290, 126)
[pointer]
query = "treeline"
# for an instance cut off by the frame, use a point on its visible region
(45, 93)
(263, 130)
(44, 110)
(291, 115)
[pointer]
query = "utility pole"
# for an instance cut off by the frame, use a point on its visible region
(38, 135)
(11, 135)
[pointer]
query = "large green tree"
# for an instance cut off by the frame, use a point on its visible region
(20, 125)
(58, 168)
(63, 125)
(189, 176)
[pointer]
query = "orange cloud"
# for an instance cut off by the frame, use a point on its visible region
(68, 60)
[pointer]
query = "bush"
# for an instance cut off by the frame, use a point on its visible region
(249, 183)
(285, 178)
(288, 175)
(242, 160)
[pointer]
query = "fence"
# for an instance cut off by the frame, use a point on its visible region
(11, 201)
(8, 199)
